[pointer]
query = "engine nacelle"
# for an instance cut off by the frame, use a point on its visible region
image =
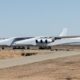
(44, 41)
(48, 40)
(41, 41)
(38, 40)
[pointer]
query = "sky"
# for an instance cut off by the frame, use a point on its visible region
(39, 17)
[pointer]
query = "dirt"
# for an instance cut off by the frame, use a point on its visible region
(67, 68)
(21, 53)
(9, 54)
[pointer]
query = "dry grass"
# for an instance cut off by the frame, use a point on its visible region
(9, 54)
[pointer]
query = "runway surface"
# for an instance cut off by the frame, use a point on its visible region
(6, 63)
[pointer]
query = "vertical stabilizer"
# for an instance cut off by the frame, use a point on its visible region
(64, 32)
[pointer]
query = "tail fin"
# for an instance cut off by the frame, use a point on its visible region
(64, 32)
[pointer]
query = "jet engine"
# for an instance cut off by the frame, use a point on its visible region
(38, 40)
(48, 40)
(44, 41)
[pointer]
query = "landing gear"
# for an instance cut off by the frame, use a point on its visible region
(18, 47)
(44, 47)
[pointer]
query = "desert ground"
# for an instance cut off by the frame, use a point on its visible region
(67, 68)
(7, 53)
